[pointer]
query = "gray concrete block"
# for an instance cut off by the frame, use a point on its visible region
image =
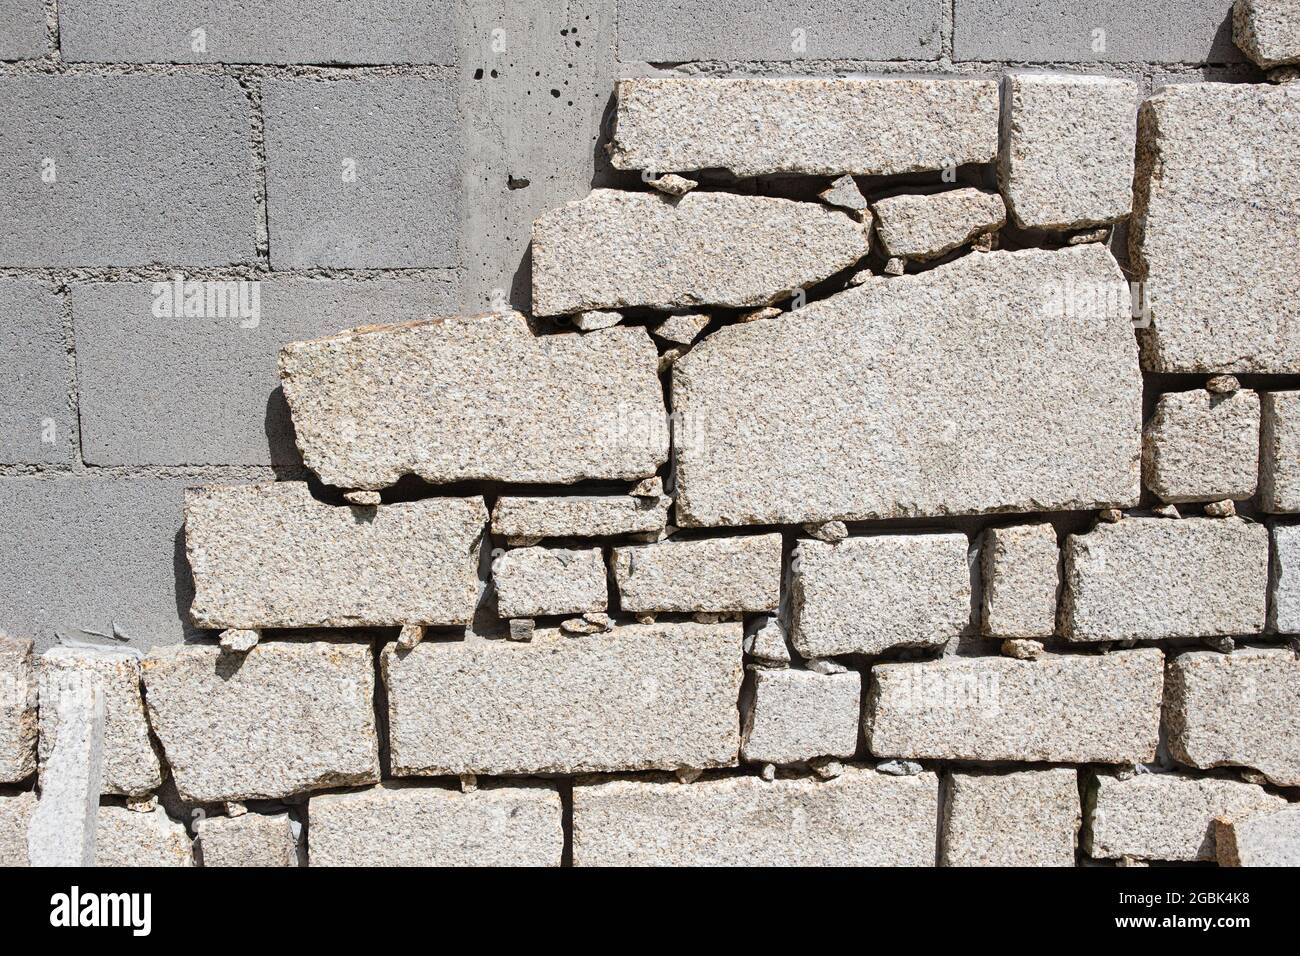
(125, 170)
(1054, 31)
(363, 174)
(36, 425)
(253, 31)
(674, 31)
(183, 390)
(22, 29)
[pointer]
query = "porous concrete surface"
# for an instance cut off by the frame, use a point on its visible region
(1279, 452)
(532, 582)
(1284, 594)
(860, 818)
(1165, 816)
(285, 718)
(1235, 710)
(798, 715)
(22, 29)
(869, 594)
(18, 710)
(128, 838)
(1153, 578)
(1268, 31)
(925, 226)
(1199, 446)
(1064, 708)
(616, 249)
(1020, 576)
(1023, 818)
(731, 574)
(655, 696)
(1259, 839)
(586, 516)
(253, 839)
(16, 811)
(36, 426)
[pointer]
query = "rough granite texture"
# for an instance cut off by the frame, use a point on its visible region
(682, 328)
(129, 838)
(815, 126)
(18, 710)
(657, 696)
(1199, 446)
(1267, 31)
(732, 574)
(579, 516)
(1279, 462)
(922, 227)
(867, 595)
(15, 813)
(408, 824)
(860, 818)
(615, 249)
(1259, 839)
(1154, 578)
(1064, 708)
(481, 397)
(253, 839)
(1284, 595)
(285, 718)
(273, 556)
(798, 715)
(1019, 565)
(1025, 818)
(532, 582)
(798, 418)
(1236, 710)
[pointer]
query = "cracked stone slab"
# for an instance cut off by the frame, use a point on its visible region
(288, 717)
(469, 398)
(617, 249)
(532, 582)
(809, 126)
(1267, 31)
(16, 811)
(579, 516)
(1199, 446)
(657, 696)
(273, 556)
(126, 838)
(734, 574)
(860, 818)
(1025, 818)
(1019, 569)
(914, 226)
(1152, 578)
(18, 710)
(1259, 839)
(1063, 708)
(1284, 599)
(799, 715)
(253, 839)
(1279, 463)
(1214, 239)
(936, 393)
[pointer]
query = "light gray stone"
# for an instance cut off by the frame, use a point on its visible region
(372, 405)
(595, 321)
(809, 126)
(18, 710)
(239, 640)
(62, 830)
(674, 185)
(1284, 602)
(16, 811)
(1199, 446)
(860, 818)
(273, 556)
(1020, 577)
(741, 573)
(1063, 708)
(407, 824)
(579, 516)
(1151, 578)
(1279, 462)
(866, 595)
(616, 249)
(798, 715)
(801, 418)
(35, 415)
(765, 641)
(521, 629)
(1267, 31)
(252, 839)
(532, 582)
(1022, 649)
(22, 29)
(1025, 818)
(844, 194)
(913, 226)
(682, 328)
(1259, 839)
(1236, 710)
(285, 718)
(1214, 240)
(126, 838)
(638, 697)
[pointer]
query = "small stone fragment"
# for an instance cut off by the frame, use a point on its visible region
(899, 768)
(733, 574)
(765, 641)
(600, 619)
(1267, 31)
(1111, 515)
(1166, 511)
(1224, 645)
(1100, 234)
(250, 840)
(667, 359)
(123, 838)
(579, 627)
(1019, 568)
(767, 773)
(1284, 74)
(646, 618)
(18, 710)
(1259, 839)
(1022, 649)
(866, 275)
(1222, 385)
(145, 804)
(894, 267)
(468, 782)
(235, 809)
(832, 532)
(596, 320)
(522, 541)
(364, 499)
(1221, 509)
(688, 774)
(410, 635)
(683, 328)
(845, 194)
(826, 768)
(797, 715)
(673, 185)
(532, 582)
(921, 227)
(521, 629)
(988, 820)
(1199, 446)
(238, 640)
(985, 242)
(822, 665)
(1279, 464)
(757, 315)
(649, 488)
(525, 521)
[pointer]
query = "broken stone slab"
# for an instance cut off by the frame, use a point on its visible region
(579, 516)
(868, 594)
(1165, 816)
(793, 421)
(288, 717)
(1284, 603)
(765, 641)
(860, 818)
(364, 499)
(639, 697)
(273, 556)
(1062, 708)
(130, 763)
(476, 398)
(239, 640)
(1066, 157)
(844, 194)
(673, 185)
(1259, 839)
(410, 824)
(1214, 243)
(923, 227)
(18, 710)
(1236, 710)
(596, 320)
(254, 839)
(126, 838)
(617, 249)
(799, 715)
(1267, 31)
(532, 582)
(1024, 818)
(740, 573)
(1199, 446)
(682, 328)
(810, 126)
(1279, 471)
(16, 811)
(1020, 577)
(1152, 578)
(62, 829)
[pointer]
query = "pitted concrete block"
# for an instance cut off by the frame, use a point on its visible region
(22, 29)
(36, 426)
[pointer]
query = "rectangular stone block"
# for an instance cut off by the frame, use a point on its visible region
(62, 830)
(1020, 576)
(532, 582)
(253, 839)
(866, 595)
(1063, 708)
(798, 715)
(1284, 585)
(286, 717)
(561, 408)
(1155, 578)
(1199, 446)
(1259, 839)
(36, 425)
(860, 818)
(1236, 710)
(248, 31)
(1026, 818)
(408, 824)
(797, 419)
(1268, 31)
(1165, 816)
(924, 226)
(1279, 457)
(128, 838)
(359, 175)
(708, 574)
(659, 696)
(578, 516)
(273, 556)
(1213, 239)
(16, 811)
(22, 29)
(165, 163)
(18, 710)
